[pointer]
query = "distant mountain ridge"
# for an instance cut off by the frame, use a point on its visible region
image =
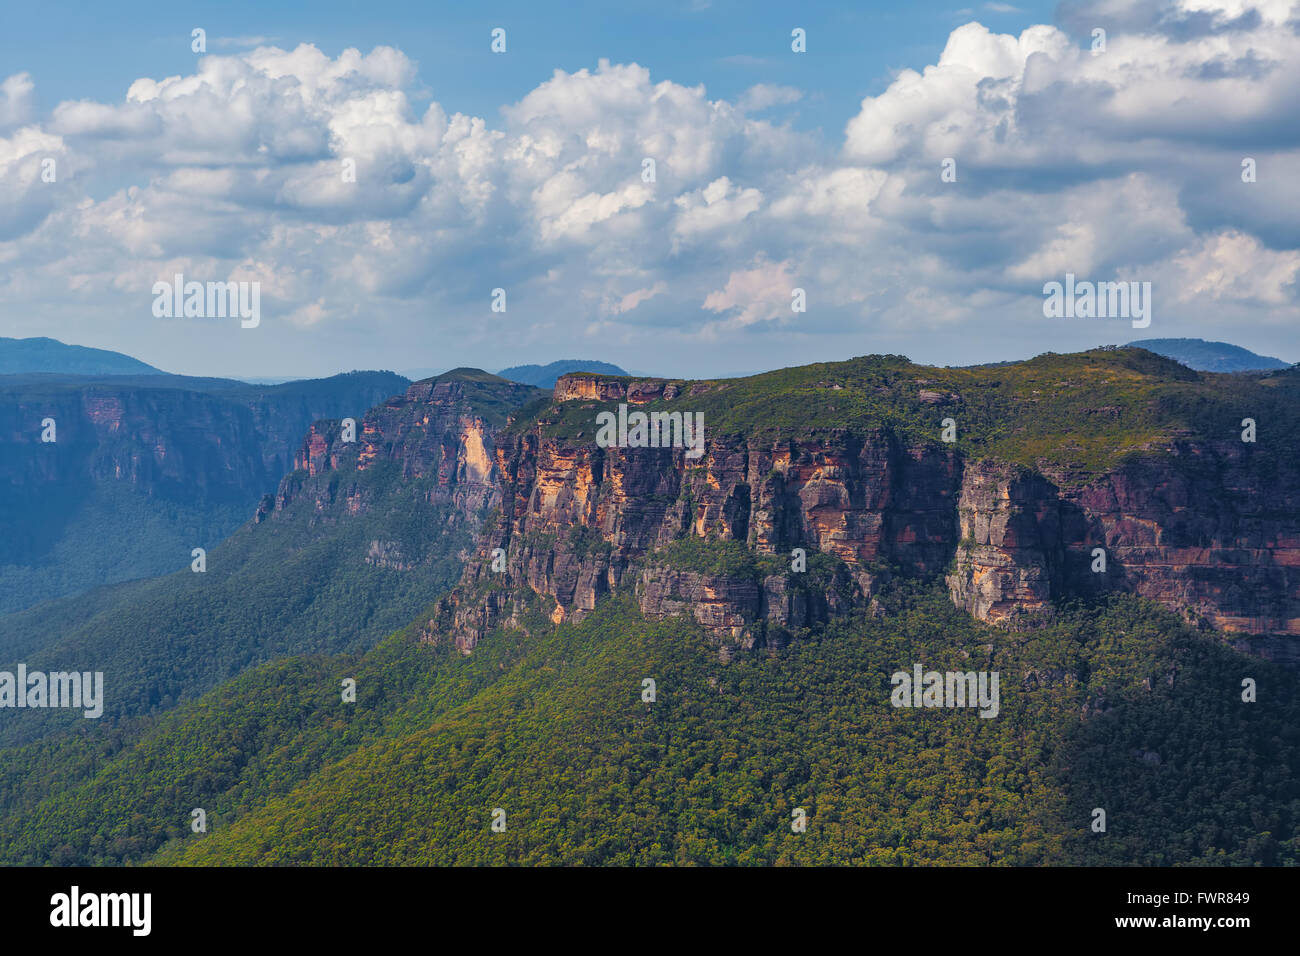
(20, 356)
(544, 376)
(144, 468)
(1211, 356)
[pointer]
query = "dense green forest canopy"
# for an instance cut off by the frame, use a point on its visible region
(1117, 705)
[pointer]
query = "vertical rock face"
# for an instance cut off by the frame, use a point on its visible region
(169, 444)
(142, 469)
(726, 605)
(432, 431)
(1194, 528)
(568, 387)
(741, 608)
(576, 517)
(1198, 527)
(1203, 530)
(1009, 550)
(169, 441)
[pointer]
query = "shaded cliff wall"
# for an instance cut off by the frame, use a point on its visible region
(1198, 528)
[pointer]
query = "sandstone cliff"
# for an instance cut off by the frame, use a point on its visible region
(576, 518)
(1199, 526)
(444, 430)
(1194, 527)
(169, 437)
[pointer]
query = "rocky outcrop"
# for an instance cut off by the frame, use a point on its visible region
(1198, 527)
(592, 387)
(1008, 556)
(1192, 526)
(570, 387)
(575, 518)
(721, 603)
(434, 431)
(747, 609)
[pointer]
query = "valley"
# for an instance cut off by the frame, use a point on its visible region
(499, 584)
(144, 468)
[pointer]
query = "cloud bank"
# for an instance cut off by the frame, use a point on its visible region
(368, 221)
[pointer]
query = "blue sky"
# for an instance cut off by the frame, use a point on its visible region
(776, 170)
(74, 50)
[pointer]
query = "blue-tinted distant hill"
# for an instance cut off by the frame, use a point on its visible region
(544, 376)
(24, 356)
(1211, 356)
(144, 468)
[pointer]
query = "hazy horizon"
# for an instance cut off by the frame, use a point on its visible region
(419, 373)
